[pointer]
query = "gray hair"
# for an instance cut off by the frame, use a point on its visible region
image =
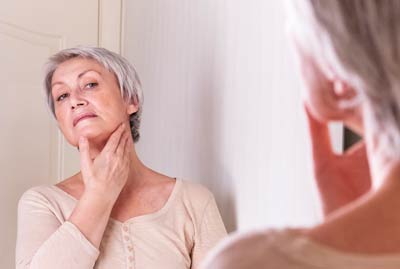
(125, 73)
(360, 39)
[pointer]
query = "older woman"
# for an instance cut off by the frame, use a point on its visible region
(350, 59)
(116, 212)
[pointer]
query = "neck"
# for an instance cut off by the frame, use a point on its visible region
(385, 171)
(138, 172)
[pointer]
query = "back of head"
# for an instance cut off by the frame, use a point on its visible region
(360, 39)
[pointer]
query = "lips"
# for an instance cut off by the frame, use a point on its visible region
(83, 116)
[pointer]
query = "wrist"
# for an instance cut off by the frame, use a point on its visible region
(91, 215)
(99, 198)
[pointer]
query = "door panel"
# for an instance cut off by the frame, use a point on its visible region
(32, 152)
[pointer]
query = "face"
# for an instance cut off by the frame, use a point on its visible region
(88, 101)
(319, 94)
(325, 94)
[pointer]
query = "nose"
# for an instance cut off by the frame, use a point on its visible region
(77, 101)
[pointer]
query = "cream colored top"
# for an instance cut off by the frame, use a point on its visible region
(288, 249)
(176, 237)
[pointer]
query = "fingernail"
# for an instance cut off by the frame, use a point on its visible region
(82, 139)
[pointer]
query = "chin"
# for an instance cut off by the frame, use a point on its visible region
(324, 110)
(323, 114)
(94, 135)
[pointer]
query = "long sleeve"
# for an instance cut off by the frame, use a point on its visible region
(210, 231)
(45, 241)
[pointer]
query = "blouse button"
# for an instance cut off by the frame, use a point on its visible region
(130, 258)
(125, 228)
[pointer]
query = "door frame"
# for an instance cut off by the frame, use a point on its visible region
(111, 25)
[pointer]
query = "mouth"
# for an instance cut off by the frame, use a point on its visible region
(83, 117)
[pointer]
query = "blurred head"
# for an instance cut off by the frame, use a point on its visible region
(355, 45)
(96, 84)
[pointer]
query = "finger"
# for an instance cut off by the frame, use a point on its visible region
(359, 149)
(84, 151)
(320, 138)
(114, 139)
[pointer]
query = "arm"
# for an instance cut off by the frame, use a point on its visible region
(44, 242)
(210, 231)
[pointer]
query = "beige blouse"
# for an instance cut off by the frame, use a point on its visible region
(177, 236)
(288, 249)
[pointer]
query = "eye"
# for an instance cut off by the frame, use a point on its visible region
(91, 85)
(62, 97)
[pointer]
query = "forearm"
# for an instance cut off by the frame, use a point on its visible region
(43, 242)
(91, 215)
(66, 248)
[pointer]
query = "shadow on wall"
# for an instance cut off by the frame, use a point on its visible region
(208, 112)
(210, 166)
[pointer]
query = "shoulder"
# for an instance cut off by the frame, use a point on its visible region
(37, 193)
(243, 242)
(40, 196)
(195, 198)
(195, 191)
(253, 249)
(44, 201)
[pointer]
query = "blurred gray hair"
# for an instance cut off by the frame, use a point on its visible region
(360, 39)
(125, 73)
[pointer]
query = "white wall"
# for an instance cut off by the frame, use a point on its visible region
(222, 105)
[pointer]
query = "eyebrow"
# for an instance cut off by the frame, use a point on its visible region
(79, 76)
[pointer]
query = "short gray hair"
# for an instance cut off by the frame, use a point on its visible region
(361, 40)
(128, 79)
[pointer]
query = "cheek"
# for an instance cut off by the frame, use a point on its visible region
(61, 116)
(64, 123)
(116, 115)
(323, 106)
(316, 109)
(318, 100)
(113, 108)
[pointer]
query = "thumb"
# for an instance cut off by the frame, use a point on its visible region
(84, 151)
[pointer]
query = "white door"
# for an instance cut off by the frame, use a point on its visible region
(31, 150)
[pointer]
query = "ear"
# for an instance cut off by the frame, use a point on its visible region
(346, 94)
(133, 106)
(343, 90)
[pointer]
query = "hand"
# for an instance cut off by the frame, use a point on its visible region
(107, 174)
(342, 178)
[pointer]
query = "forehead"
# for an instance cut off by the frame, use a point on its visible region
(75, 66)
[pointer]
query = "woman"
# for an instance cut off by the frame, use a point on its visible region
(349, 53)
(116, 212)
